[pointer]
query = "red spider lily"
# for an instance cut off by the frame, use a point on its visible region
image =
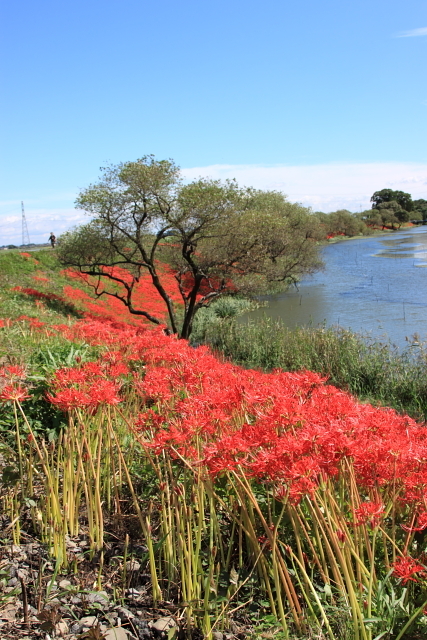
(13, 372)
(38, 294)
(33, 322)
(406, 568)
(118, 369)
(14, 393)
(70, 399)
(86, 386)
(91, 396)
(369, 513)
(421, 523)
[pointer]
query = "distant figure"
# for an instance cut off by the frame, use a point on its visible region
(52, 239)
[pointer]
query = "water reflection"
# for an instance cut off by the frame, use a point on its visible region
(370, 285)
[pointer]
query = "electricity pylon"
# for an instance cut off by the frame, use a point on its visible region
(25, 234)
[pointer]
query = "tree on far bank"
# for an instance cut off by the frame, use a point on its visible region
(388, 195)
(215, 237)
(341, 222)
(387, 215)
(420, 207)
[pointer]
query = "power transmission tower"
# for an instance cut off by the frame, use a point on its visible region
(25, 234)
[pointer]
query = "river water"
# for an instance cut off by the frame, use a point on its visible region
(375, 285)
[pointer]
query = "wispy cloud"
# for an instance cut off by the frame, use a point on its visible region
(413, 33)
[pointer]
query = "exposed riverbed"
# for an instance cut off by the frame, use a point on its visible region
(375, 285)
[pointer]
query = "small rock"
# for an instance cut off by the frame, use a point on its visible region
(65, 584)
(98, 596)
(111, 617)
(13, 571)
(12, 582)
(133, 565)
(71, 545)
(125, 614)
(61, 628)
(22, 574)
(142, 629)
(163, 624)
(116, 633)
(88, 621)
(217, 635)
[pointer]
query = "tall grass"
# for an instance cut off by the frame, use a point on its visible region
(372, 370)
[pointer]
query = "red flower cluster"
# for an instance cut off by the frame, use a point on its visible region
(289, 429)
(33, 322)
(11, 389)
(88, 386)
(406, 569)
(145, 296)
(28, 256)
(369, 513)
(39, 295)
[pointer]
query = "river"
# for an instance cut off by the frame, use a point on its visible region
(375, 285)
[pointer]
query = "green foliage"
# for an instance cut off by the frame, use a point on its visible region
(420, 210)
(342, 222)
(388, 195)
(210, 319)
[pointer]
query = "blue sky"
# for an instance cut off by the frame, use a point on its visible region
(324, 100)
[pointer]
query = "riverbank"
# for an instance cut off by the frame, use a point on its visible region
(373, 233)
(153, 490)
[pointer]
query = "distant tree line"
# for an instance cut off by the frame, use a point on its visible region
(390, 209)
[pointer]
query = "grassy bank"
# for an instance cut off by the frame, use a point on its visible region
(373, 371)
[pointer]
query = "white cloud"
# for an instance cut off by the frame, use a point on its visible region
(325, 187)
(40, 223)
(413, 33)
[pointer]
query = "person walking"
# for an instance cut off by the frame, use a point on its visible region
(52, 239)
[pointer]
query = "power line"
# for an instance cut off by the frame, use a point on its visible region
(25, 234)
